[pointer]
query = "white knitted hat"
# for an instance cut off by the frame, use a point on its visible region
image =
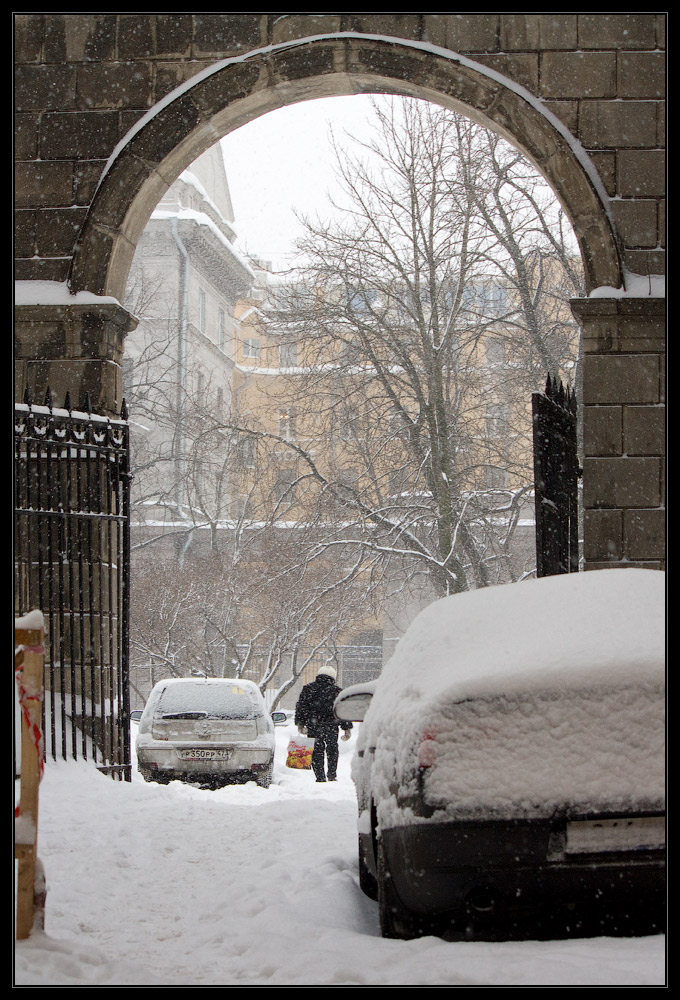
(329, 670)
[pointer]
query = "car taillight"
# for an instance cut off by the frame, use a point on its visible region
(427, 750)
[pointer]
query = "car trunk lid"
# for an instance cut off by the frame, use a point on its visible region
(546, 753)
(200, 726)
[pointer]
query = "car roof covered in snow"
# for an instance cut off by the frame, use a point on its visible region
(239, 682)
(601, 628)
(158, 688)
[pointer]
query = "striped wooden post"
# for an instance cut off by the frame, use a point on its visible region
(28, 665)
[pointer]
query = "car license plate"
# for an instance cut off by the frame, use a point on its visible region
(203, 753)
(621, 834)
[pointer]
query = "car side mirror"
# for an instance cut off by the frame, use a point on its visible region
(352, 707)
(279, 718)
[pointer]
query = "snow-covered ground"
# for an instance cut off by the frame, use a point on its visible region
(153, 885)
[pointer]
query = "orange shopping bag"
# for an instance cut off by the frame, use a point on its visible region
(300, 750)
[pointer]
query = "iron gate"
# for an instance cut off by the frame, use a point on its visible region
(556, 472)
(72, 543)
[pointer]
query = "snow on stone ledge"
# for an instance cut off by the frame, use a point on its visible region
(636, 286)
(43, 293)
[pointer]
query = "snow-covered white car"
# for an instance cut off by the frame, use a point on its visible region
(510, 766)
(212, 730)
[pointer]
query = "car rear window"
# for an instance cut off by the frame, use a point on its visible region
(217, 701)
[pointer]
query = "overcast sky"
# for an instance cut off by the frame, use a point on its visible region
(283, 160)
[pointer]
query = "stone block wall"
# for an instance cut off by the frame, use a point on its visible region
(624, 421)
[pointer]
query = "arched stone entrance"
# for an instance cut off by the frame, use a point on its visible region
(235, 91)
(574, 92)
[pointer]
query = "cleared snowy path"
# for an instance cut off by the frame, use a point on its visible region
(152, 885)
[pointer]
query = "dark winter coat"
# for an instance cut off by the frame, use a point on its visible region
(314, 710)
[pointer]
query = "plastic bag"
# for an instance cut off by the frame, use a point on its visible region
(300, 749)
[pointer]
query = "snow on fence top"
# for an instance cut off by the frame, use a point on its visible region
(32, 620)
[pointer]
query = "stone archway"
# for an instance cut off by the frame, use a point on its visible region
(235, 91)
(81, 77)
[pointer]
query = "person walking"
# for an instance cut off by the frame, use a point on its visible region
(314, 717)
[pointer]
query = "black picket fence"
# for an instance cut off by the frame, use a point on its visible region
(72, 542)
(556, 474)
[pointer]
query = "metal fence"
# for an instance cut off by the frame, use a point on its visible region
(355, 664)
(556, 473)
(71, 535)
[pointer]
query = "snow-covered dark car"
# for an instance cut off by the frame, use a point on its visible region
(209, 730)
(510, 765)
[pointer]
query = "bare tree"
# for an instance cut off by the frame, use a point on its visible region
(221, 584)
(400, 461)
(263, 606)
(423, 315)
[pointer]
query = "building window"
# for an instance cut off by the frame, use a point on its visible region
(399, 482)
(201, 310)
(487, 298)
(348, 477)
(251, 348)
(247, 451)
(495, 478)
(287, 420)
(362, 301)
(497, 299)
(496, 420)
(349, 355)
(221, 329)
(287, 355)
(284, 485)
(495, 350)
(349, 427)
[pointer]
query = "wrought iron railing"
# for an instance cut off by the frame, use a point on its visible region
(556, 474)
(72, 543)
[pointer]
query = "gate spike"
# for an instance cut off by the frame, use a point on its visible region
(88, 403)
(67, 401)
(27, 396)
(48, 397)
(124, 410)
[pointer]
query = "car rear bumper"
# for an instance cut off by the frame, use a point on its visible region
(168, 761)
(491, 867)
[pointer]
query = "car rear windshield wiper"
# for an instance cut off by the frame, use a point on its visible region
(185, 715)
